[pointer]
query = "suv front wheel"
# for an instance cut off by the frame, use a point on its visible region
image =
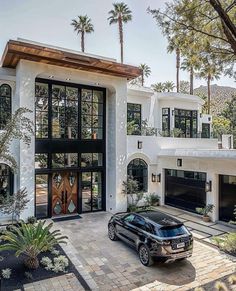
(112, 232)
(144, 256)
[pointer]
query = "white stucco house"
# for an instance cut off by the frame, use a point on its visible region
(81, 153)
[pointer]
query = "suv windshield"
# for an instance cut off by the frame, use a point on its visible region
(170, 231)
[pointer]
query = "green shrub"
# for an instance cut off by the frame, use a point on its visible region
(152, 199)
(227, 242)
(205, 210)
(31, 219)
(30, 240)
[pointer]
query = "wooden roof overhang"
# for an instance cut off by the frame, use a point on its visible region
(16, 50)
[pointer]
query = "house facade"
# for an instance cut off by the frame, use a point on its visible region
(82, 108)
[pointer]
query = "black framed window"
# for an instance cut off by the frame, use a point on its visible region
(91, 114)
(64, 160)
(5, 105)
(186, 121)
(41, 195)
(64, 112)
(166, 120)
(205, 130)
(138, 169)
(41, 161)
(91, 160)
(134, 117)
(6, 181)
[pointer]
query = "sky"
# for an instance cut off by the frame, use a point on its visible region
(48, 21)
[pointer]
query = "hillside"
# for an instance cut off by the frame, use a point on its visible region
(220, 94)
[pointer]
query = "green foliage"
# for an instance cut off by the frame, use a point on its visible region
(31, 219)
(227, 242)
(133, 128)
(130, 186)
(29, 275)
(220, 125)
(158, 87)
(169, 86)
(59, 264)
(146, 71)
(147, 130)
(14, 205)
(230, 111)
(205, 210)
(19, 127)
(30, 240)
(152, 199)
(184, 87)
(6, 273)
(195, 26)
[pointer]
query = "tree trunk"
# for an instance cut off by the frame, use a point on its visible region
(82, 41)
(142, 79)
(191, 81)
(177, 68)
(31, 263)
(121, 39)
(209, 94)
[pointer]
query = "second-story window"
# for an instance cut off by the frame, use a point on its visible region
(5, 105)
(186, 122)
(166, 120)
(134, 118)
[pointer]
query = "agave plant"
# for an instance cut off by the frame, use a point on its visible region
(30, 240)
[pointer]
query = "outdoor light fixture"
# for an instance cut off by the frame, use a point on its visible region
(140, 144)
(154, 178)
(51, 77)
(159, 178)
(208, 186)
(179, 162)
(173, 111)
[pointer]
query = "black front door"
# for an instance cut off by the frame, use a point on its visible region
(185, 189)
(227, 197)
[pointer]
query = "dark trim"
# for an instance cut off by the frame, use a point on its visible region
(190, 118)
(132, 112)
(10, 111)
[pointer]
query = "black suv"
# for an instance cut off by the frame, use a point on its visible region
(155, 235)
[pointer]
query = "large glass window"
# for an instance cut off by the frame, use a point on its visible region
(64, 160)
(91, 191)
(64, 112)
(206, 130)
(41, 195)
(5, 105)
(41, 110)
(6, 181)
(41, 161)
(138, 169)
(166, 120)
(91, 160)
(186, 121)
(91, 114)
(134, 118)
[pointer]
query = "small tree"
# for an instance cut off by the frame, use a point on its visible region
(131, 189)
(15, 204)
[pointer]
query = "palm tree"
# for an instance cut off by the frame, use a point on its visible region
(171, 48)
(120, 14)
(81, 26)
(209, 71)
(158, 87)
(169, 86)
(146, 71)
(190, 64)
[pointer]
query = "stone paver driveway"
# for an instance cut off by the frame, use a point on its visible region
(107, 265)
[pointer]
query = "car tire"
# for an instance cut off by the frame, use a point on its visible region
(112, 232)
(144, 256)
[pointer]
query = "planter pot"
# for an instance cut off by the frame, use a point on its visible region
(206, 219)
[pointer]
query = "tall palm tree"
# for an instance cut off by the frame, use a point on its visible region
(120, 14)
(169, 86)
(82, 25)
(209, 71)
(146, 71)
(158, 87)
(190, 64)
(171, 48)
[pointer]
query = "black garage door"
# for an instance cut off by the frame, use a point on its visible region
(185, 189)
(227, 195)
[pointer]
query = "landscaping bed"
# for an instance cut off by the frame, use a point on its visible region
(19, 271)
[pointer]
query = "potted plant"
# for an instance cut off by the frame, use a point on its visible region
(152, 199)
(131, 189)
(204, 211)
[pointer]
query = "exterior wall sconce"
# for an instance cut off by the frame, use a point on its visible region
(173, 112)
(179, 162)
(158, 178)
(208, 186)
(140, 144)
(154, 178)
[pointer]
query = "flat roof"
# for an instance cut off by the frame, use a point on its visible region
(16, 50)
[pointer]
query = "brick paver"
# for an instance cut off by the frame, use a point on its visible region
(107, 265)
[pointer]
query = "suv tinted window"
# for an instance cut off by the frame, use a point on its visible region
(139, 222)
(129, 218)
(169, 231)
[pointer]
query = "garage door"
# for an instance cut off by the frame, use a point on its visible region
(227, 195)
(185, 189)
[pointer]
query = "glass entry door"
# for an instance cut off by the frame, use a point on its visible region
(91, 184)
(64, 193)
